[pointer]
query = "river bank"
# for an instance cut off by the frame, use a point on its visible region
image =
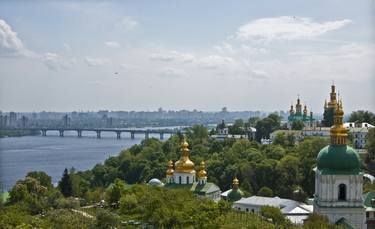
(18, 133)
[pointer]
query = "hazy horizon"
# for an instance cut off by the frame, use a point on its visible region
(245, 55)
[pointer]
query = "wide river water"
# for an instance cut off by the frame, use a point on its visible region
(52, 154)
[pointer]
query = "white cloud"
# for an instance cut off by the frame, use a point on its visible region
(97, 61)
(172, 56)
(127, 24)
(286, 28)
(10, 44)
(172, 72)
(54, 62)
(215, 61)
(112, 44)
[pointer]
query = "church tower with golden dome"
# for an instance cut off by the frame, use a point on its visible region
(339, 177)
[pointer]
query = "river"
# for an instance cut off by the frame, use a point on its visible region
(52, 154)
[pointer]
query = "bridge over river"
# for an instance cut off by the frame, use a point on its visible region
(118, 131)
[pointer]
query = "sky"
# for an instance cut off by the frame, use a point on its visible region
(204, 55)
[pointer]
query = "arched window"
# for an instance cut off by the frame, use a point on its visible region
(342, 192)
(179, 179)
(187, 180)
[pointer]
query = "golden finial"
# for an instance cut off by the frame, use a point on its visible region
(202, 171)
(305, 110)
(170, 170)
(184, 164)
(235, 183)
(185, 148)
(338, 131)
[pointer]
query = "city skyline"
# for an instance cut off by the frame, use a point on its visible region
(65, 56)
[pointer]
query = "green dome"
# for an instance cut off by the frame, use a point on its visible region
(235, 194)
(339, 159)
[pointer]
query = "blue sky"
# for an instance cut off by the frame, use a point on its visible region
(246, 55)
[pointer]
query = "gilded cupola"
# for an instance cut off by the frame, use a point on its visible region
(170, 170)
(338, 131)
(202, 171)
(305, 110)
(184, 164)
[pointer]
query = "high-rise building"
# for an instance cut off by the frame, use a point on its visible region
(12, 119)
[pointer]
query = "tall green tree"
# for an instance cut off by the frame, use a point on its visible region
(65, 184)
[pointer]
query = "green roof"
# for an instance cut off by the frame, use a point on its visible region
(345, 223)
(196, 188)
(339, 159)
(298, 116)
(235, 194)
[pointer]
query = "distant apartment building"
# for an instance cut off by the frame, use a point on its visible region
(12, 119)
(359, 133)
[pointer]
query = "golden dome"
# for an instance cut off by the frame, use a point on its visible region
(202, 170)
(170, 170)
(184, 165)
(235, 183)
(338, 131)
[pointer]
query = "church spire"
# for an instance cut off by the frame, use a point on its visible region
(338, 132)
(333, 101)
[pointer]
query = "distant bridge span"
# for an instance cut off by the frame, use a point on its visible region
(118, 131)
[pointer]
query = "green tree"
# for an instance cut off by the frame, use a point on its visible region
(274, 214)
(265, 191)
(128, 202)
(106, 219)
(65, 184)
(266, 126)
(42, 178)
(253, 121)
(297, 125)
(362, 116)
(114, 192)
(238, 127)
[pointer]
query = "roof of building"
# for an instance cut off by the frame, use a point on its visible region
(339, 159)
(235, 194)
(286, 206)
(155, 182)
(345, 223)
(197, 188)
